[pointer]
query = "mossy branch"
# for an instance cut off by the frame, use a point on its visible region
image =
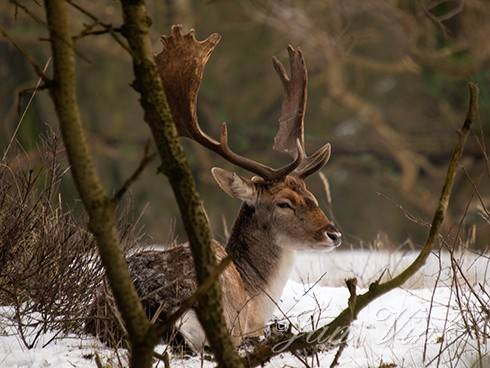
(334, 330)
(174, 165)
(100, 208)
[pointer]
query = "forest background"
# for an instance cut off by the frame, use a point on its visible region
(387, 88)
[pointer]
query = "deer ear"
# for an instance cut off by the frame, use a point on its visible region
(234, 185)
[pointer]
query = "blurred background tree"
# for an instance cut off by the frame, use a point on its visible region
(386, 88)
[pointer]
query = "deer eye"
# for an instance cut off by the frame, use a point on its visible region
(284, 205)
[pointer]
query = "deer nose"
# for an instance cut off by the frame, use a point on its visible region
(334, 235)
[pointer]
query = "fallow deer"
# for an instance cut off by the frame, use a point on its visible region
(278, 216)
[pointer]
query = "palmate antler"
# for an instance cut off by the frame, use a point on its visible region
(291, 120)
(181, 65)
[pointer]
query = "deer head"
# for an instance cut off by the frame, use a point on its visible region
(278, 197)
(285, 208)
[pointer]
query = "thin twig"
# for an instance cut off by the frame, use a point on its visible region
(268, 349)
(145, 161)
(191, 300)
(40, 21)
(38, 85)
(429, 315)
(108, 28)
(40, 72)
(164, 358)
(87, 32)
(28, 12)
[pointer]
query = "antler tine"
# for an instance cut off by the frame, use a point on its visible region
(181, 65)
(314, 162)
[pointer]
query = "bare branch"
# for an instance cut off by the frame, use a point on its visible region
(191, 300)
(28, 12)
(267, 350)
(145, 161)
(39, 71)
(107, 28)
(40, 21)
(351, 286)
(100, 208)
(88, 32)
(161, 120)
(36, 88)
(404, 66)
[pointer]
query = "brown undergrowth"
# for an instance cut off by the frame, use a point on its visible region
(49, 267)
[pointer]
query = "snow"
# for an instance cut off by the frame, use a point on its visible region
(392, 329)
(69, 351)
(367, 265)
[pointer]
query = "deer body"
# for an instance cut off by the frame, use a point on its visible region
(246, 313)
(274, 222)
(278, 216)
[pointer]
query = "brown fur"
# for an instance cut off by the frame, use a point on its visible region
(164, 278)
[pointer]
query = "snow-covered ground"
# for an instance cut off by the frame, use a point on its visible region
(392, 329)
(331, 269)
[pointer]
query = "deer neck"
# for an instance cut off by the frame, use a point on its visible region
(263, 265)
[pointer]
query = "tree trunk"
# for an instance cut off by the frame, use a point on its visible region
(174, 165)
(100, 208)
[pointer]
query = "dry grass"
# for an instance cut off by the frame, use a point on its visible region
(49, 267)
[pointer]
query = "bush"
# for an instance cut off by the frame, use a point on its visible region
(49, 267)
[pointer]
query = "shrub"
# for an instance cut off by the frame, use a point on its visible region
(49, 267)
